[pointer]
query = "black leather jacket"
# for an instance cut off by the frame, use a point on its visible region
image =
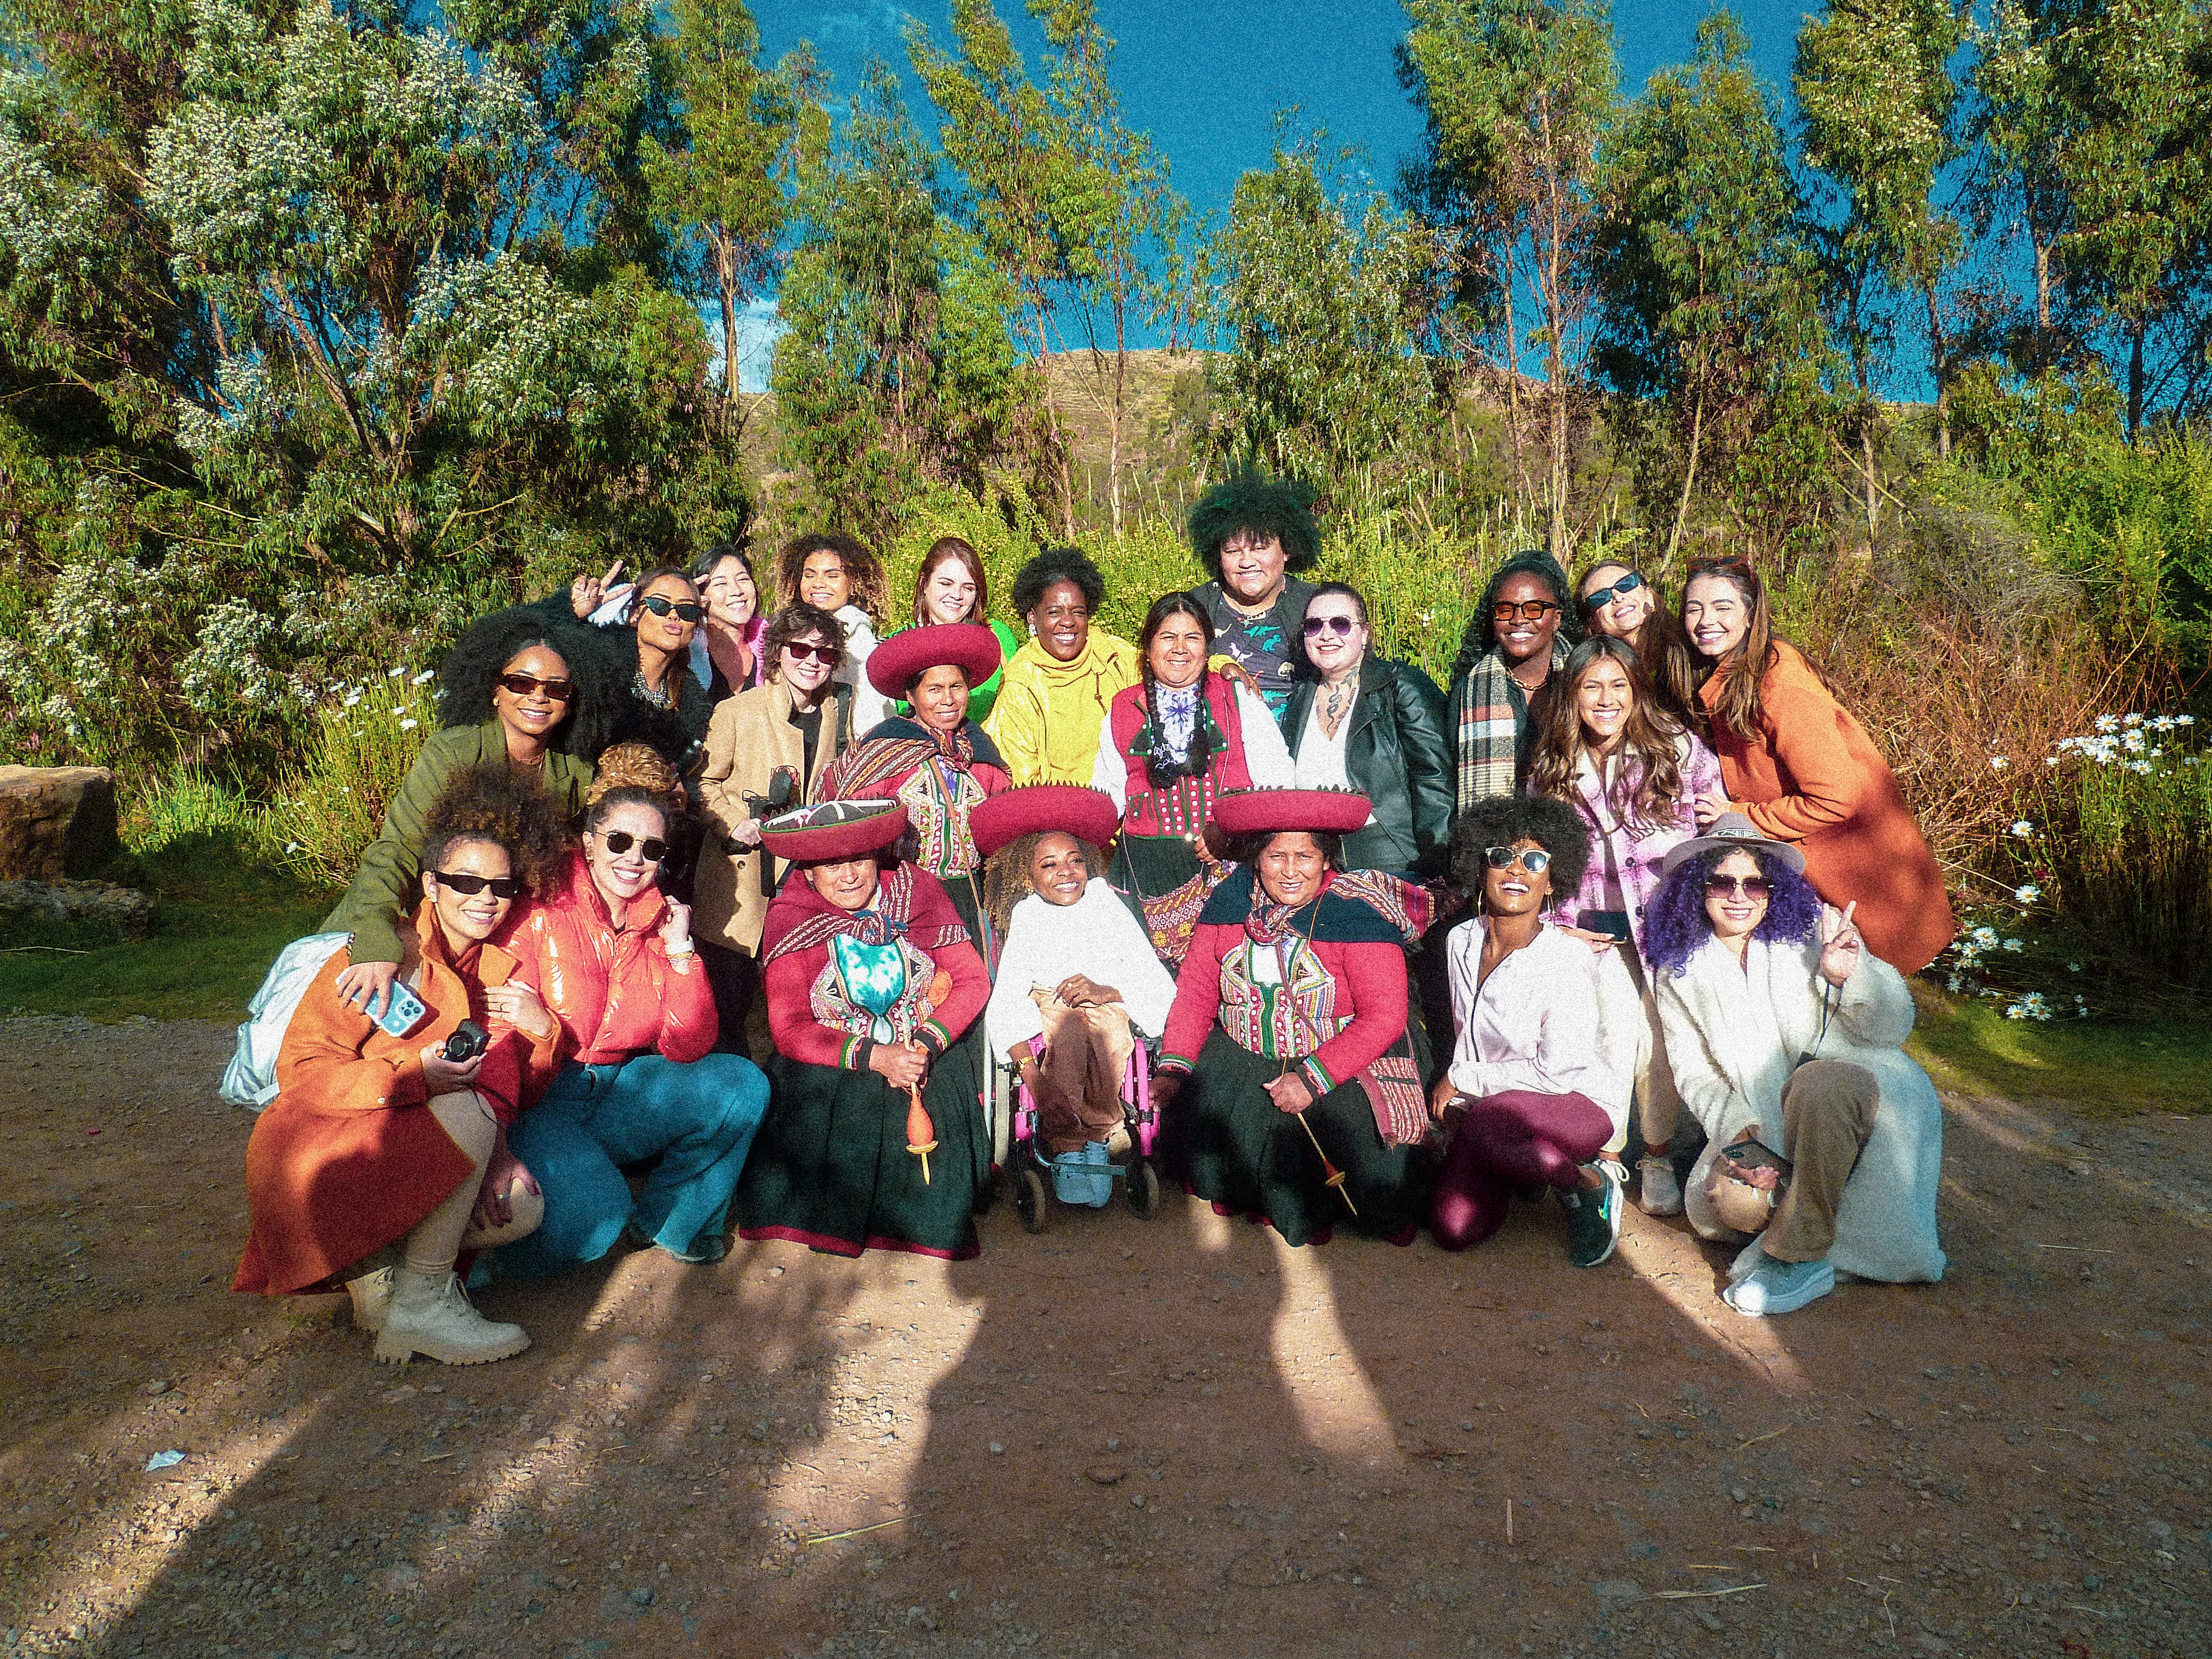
(1395, 755)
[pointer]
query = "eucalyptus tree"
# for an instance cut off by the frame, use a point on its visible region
(1324, 299)
(1709, 315)
(1881, 119)
(1517, 97)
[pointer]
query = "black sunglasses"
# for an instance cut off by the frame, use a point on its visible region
(1534, 860)
(526, 685)
(1598, 597)
(801, 650)
(619, 842)
(506, 887)
(685, 610)
(1339, 626)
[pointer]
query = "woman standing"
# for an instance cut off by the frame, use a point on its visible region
(876, 1139)
(1531, 1097)
(938, 764)
(1356, 721)
(1612, 751)
(1787, 1036)
(1168, 746)
(518, 687)
(1506, 660)
(378, 1143)
(1286, 1060)
(837, 574)
(726, 653)
(1795, 762)
(1062, 680)
(768, 751)
(629, 1002)
(1619, 600)
(1252, 534)
(950, 587)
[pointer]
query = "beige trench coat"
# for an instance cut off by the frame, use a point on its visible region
(750, 737)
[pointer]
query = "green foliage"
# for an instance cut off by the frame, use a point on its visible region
(367, 738)
(2105, 1070)
(2135, 522)
(1324, 299)
(1708, 326)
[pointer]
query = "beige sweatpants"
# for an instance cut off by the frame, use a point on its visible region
(1827, 1114)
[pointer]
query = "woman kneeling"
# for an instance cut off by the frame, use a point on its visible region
(389, 1136)
(635, 1022)
(877, 1138)
(1533, 1094)
(1786, 1034)
(1287, 1089)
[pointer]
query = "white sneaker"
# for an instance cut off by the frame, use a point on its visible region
(1658, 1192)
(439, 1322)
(372, 1298)
(1780, 1287)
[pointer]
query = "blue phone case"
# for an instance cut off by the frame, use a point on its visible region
(403, 1010)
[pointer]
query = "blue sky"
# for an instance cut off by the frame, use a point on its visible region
(1206, 79)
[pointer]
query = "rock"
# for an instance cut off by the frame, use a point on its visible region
(56, 823)
(395, 1579)
(1107, 1475)
(643, 1595)
(125, 914)
(1617, 1590)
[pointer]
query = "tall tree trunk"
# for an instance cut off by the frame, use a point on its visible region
(2042, 304)
(1114, 426)
(1513, 396)
(726, 280)
(2135, 378)
(1939, 357)
(1556, 372)
(1689, 474)
(1873, 497)
(1059, 443)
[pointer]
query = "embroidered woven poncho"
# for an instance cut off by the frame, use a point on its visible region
(939, 782)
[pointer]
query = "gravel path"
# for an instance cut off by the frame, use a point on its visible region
(1119, 1438)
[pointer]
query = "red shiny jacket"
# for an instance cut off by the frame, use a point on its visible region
(614, 989)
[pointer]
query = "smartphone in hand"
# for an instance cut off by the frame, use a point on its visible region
(1751, 1154)
(403, 1010)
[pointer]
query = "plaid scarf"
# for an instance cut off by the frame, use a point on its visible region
(889, 916)
(1487, 710)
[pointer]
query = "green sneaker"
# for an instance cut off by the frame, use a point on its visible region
(1594, 1215)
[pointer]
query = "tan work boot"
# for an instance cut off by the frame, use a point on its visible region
(372, 1298)
(432, 1315)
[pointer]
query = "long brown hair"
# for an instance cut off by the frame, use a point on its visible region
(1651, 798)
(1737, 710)
(952, 547)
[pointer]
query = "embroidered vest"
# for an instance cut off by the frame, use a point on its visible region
(1286, 1020)
(1183, 808)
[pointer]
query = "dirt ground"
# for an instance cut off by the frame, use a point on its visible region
(1120, 1436)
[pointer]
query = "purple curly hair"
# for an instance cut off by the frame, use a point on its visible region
(1676, 924)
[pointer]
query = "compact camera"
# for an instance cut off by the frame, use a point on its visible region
(468, 1041)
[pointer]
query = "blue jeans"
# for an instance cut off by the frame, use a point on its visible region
(698, 1119)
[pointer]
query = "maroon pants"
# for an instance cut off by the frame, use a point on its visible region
(1502, 1140)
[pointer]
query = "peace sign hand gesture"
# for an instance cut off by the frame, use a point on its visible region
(588, 592)
(1841, 945)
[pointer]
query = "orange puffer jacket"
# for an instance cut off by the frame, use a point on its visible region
(614, 989)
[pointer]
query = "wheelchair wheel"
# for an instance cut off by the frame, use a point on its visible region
(1030, 1200)
(1143, 1188)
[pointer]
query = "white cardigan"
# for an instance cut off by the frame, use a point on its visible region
(1096, 937)
(1735, 1033)
(1554, 1017)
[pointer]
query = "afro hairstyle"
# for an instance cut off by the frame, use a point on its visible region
(1058, 564)
(493, 803)
(472, 668)
(1501, 820)
(1258, 504)
(1482, 632)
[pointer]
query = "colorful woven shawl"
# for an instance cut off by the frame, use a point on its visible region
(891, 916)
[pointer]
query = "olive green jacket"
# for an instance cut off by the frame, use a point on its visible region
(387, 888)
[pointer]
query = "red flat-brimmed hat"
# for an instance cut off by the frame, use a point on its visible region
(831, 831)
(1269, 811)
(969, 647)
(1085, 813)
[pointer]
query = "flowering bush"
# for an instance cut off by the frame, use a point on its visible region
(368, 736)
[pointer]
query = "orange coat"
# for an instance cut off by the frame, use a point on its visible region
(344, 1161)
(1814, 778)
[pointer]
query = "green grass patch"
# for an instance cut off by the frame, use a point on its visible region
(220, 919)
(2099, 1067)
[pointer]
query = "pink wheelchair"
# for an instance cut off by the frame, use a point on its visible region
(1031, 1170)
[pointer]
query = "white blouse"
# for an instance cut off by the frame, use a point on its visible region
(1096, 937)
(1544, 1021)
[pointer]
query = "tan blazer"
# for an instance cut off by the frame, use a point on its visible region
(750, 736)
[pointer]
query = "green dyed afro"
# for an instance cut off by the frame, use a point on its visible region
(1250, 500)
